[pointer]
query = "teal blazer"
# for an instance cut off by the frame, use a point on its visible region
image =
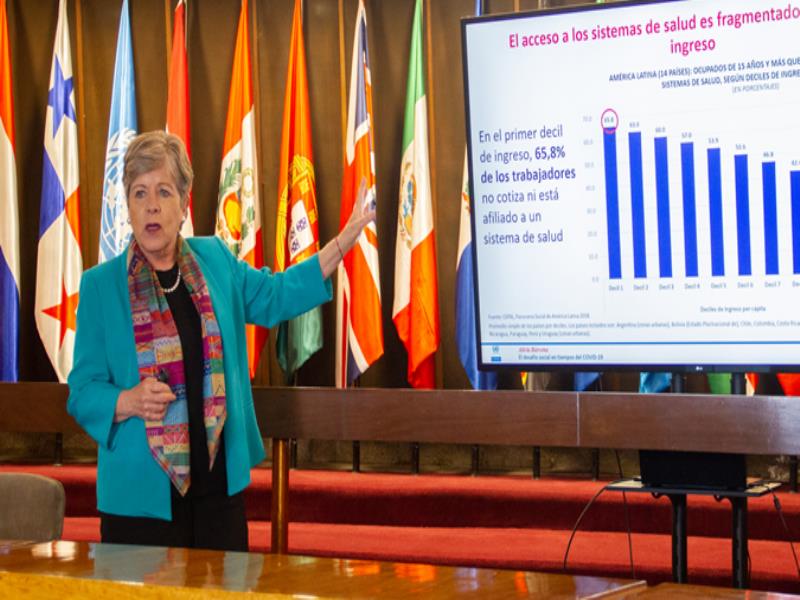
(129, 481)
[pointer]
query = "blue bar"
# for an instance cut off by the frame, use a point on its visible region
(637, 204)
(743, 214)
(715, 212)
(689, 209)
(612, 205)
(770, 217)
(795, 178)
(662, 208)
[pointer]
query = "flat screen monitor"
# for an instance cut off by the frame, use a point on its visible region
(635, 185)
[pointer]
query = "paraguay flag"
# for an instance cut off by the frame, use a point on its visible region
(9, 220)
(359, 330)
(59, 265)
(115, 231)
(466, 340)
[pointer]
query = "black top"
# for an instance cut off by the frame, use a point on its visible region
(187, 321)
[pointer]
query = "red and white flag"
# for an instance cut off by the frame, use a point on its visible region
(9, 218)
(178, 121)
(59, 264)
(359, 330)
(238, 207)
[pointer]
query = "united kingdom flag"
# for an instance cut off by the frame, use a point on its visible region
(59, 264)
(359, 331)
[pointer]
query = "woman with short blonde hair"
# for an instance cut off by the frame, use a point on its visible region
(160, 377)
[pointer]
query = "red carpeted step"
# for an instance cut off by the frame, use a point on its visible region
(458, 501)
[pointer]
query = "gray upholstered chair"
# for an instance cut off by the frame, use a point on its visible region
(31, 507)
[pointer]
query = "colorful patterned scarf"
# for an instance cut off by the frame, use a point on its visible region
(159, 355)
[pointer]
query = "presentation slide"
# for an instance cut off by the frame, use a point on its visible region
(635, 185)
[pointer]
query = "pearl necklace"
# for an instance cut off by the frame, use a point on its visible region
(174, 286)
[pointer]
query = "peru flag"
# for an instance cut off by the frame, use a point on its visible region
(59, 265)
(9, 219)
(238, 207)
(359, 330)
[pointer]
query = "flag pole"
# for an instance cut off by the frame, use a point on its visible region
(82, 115)
(432, 158)
(262, 369)
(168, 29)
(342, 75)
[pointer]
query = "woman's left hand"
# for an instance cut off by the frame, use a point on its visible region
(363, 214)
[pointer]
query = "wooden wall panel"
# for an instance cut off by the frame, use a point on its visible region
(211, 31)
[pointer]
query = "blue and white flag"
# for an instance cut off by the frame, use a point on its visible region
(115, 231)
(466, 339)
(59, 265)
(584, 380)
(654, 383)
(9, 218)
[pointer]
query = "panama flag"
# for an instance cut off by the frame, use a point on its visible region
(115, 230)
(359, 329)
(9, 220)
(59, 265)
(297, 230)
(178, 121)
(238, 209)
(415, 311)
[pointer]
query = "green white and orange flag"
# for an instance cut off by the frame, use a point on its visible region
(296, 233)
(238, 210)
(416, 307)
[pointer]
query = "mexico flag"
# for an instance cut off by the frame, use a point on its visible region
(238, 210)
(416, 308)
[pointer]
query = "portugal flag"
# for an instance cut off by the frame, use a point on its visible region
(238, 210)
(416, 308)
(296, 234)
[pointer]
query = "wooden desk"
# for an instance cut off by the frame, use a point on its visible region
(67, 570)
(670, 591)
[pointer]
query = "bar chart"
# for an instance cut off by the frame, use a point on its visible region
(753, 190)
